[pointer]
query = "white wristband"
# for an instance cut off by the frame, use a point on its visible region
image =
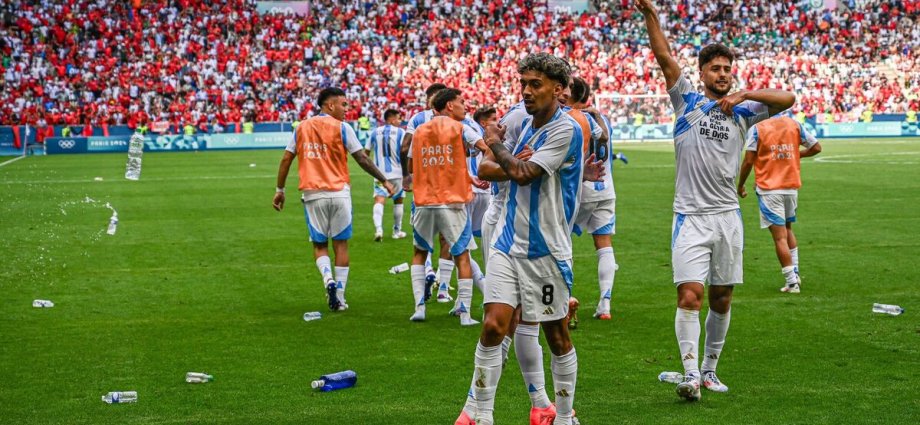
(279, 190)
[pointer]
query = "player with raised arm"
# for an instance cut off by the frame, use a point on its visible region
(321, 145)
(384, 143)
(707, 231)
(773, 153)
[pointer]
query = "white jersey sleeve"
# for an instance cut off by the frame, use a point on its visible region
(292, 145)
(470, 136)
(750, 143)
(596, 130)
(808, 140)
(552, 154)
(350, 139)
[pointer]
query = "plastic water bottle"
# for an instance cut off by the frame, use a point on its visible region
(312, 315)
(671, 377)
(893, 310)
(399, 268)
(113, 224)
(335, 381)
(198, 378)
(135, 154)
(42, 304)
(120, 397)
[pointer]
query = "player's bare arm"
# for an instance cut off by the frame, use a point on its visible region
(812, 151)
(521, 172)
(776, 100)
(283, 169)
(746, 167)
(659, 43)
(369, 167)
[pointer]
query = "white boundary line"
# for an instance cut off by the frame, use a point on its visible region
(12, 160)
(861, 158)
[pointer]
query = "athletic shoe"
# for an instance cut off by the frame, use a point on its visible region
(464, 419)
(712, 382)
(602, 312)
(398, 234)
(378, 236)
(689, 388)
(468, 321)
(792, 289)
(539, 415)
(443, 294)
(622, 157)
(331, 296)
(343, 307)
(419, 315)
(572, 317)
(427, 293)
(602, 316)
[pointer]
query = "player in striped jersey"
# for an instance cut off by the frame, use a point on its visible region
(530, 260)
(385, 143)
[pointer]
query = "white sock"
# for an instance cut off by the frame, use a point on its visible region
(486, 373)
(478, 277)
(716, 328)
(795, 258)
(397, 217)
(687, 328)
(465, 297)
(789, 275)
(325, 268)
(378, 217)
(418, 284)
(470, 406)
(606, 269)
(428, 268)
(530, 358)
(506, 346)
(341, 280)
(565, 370)
(445, 272)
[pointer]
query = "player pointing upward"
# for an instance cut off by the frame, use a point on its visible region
(707, 236)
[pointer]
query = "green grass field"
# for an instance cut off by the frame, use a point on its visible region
(203, 275)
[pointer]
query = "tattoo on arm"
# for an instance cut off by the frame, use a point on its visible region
(520, 171)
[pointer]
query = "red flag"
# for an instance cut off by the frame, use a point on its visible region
(16, 141)
(105, 129)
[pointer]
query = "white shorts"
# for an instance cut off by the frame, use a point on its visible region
(397, 183)
(541, 286)
(452, 223)
(328, 217)
(777, 209)
(597, 218)
(477, 209)
(708, 248)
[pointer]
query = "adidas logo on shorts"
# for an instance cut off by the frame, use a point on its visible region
(548, 311)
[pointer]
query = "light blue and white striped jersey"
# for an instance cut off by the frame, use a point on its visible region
(418, 119)
(537, 218)
(475, 158)
(385, 143)
(602, 190)
(707, 149)
(513, 121)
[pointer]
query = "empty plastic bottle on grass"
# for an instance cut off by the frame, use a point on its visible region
(135, 154)
(198, 378)
(113, 224)
(312, 315)
(42, 304)
(117, 397)
(671, 377)
(893, 310)
(336, 381)
(399, 268)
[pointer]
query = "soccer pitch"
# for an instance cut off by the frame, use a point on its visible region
(203, 275)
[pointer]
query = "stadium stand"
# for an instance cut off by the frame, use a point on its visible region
(107, 62)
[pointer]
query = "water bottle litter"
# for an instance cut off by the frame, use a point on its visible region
(671, 377)
(399, 268)
(135, 156)
(335, 381)
(42, 304)
(198, 378)
(893, 310)
(118, 397)
(312, 315)
(113, 224)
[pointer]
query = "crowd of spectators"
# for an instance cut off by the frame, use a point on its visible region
(205, 62)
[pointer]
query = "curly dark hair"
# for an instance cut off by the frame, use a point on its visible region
(713, 51)
(552, 67)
